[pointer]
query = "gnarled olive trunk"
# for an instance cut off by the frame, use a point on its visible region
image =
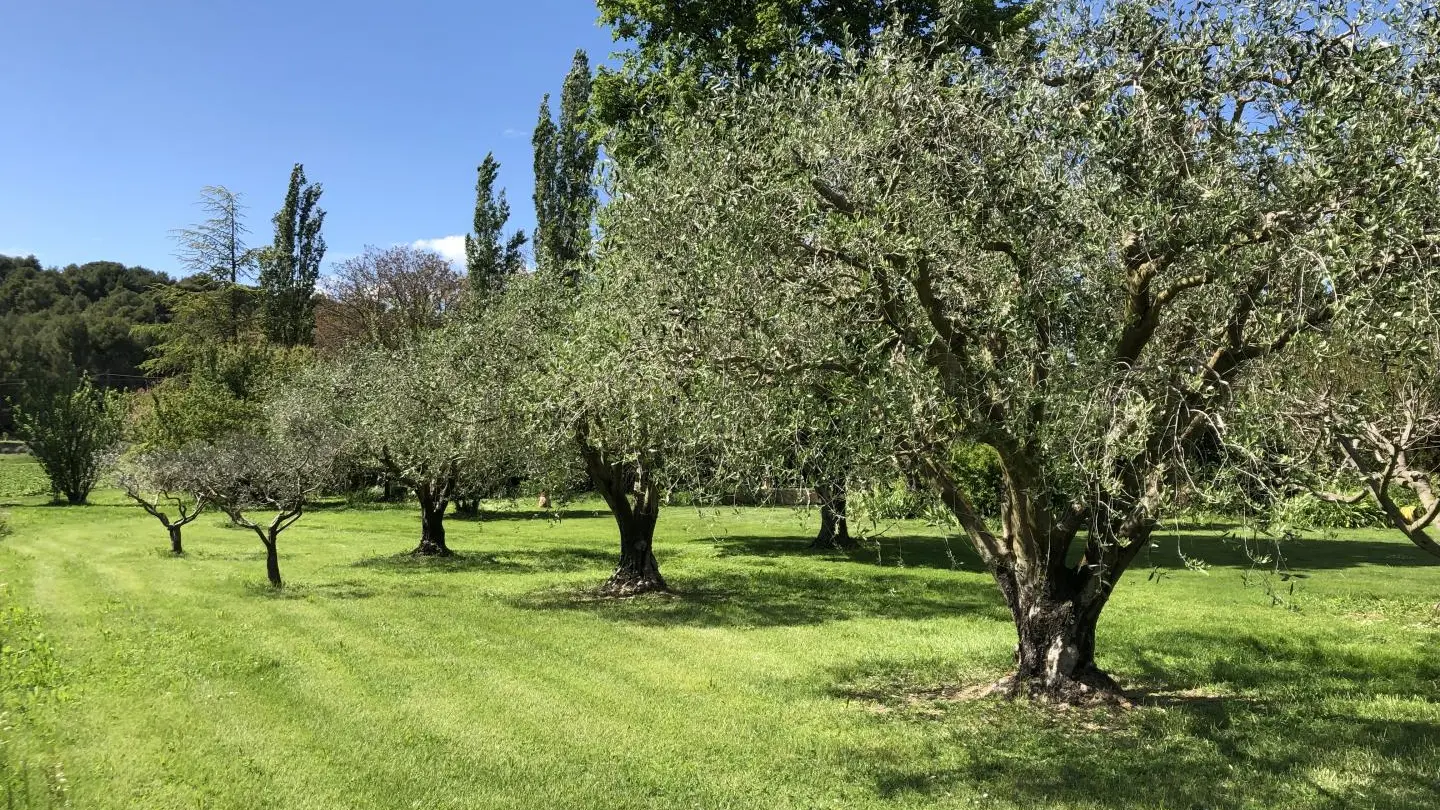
(834, 522)
(432, 524)
(1055, 604)
(1055, 630)
(176, 547)
(638, 572)
(634, 499)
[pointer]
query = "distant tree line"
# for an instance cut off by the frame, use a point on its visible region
(58, 323)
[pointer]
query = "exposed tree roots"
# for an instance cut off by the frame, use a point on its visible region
(1087, 687)
(625, 584)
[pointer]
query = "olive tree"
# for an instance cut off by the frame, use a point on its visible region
(262, 480)
(1360, 415)
(160, 480)
(435, 414)
(597, 409)
(1075, 256)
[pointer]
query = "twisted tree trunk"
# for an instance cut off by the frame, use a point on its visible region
(176, 548)
(1055, 630)
(629, 489)
(638, 571)
(432, 524)
(834, 523)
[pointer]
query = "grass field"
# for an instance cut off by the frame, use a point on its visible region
(776, 678)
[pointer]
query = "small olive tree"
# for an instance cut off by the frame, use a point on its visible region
(274, 473)
(1074, 252)
(69, 428)
(593, 411)
(160, 480)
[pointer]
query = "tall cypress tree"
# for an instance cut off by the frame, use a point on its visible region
(489, 256)
(565, 155)
(290, 267)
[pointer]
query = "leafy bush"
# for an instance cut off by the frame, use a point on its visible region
(174, 414)
(977, 473)
(892, 500)
(1309, 512)
(69, 427)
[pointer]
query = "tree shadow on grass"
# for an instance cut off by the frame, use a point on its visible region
(341, 589)
(558, 559)
(887, 551)
(1216, 549)
(1225, 722)
(1301, 554)
(770, 597)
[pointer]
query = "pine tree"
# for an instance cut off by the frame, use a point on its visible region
(290, 267)
(565, 155)
(489, 256)
(215, 248)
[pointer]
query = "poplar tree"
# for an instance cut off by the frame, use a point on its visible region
(489, 255)
(290, 267)
(565, 155)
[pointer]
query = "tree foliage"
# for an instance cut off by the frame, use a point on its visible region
(565, 156)
(679, 49)
(290, 266)
(386, 297)
(69, 427)
(490, 256)
(81, 319)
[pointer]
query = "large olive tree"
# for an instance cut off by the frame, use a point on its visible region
(436, 414)
(1075, 256)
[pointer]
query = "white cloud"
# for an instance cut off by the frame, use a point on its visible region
(451, 247)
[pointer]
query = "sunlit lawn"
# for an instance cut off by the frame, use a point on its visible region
(776, 677)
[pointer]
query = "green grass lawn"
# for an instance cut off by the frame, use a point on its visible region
(776, 678)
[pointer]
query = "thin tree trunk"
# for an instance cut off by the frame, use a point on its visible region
(175, 546)
(272, 563)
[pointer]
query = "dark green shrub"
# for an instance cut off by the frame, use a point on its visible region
(69, 428)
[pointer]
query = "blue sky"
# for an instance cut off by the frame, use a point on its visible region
(117, 113)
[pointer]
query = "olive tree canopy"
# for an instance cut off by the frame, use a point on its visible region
(1076, 256)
